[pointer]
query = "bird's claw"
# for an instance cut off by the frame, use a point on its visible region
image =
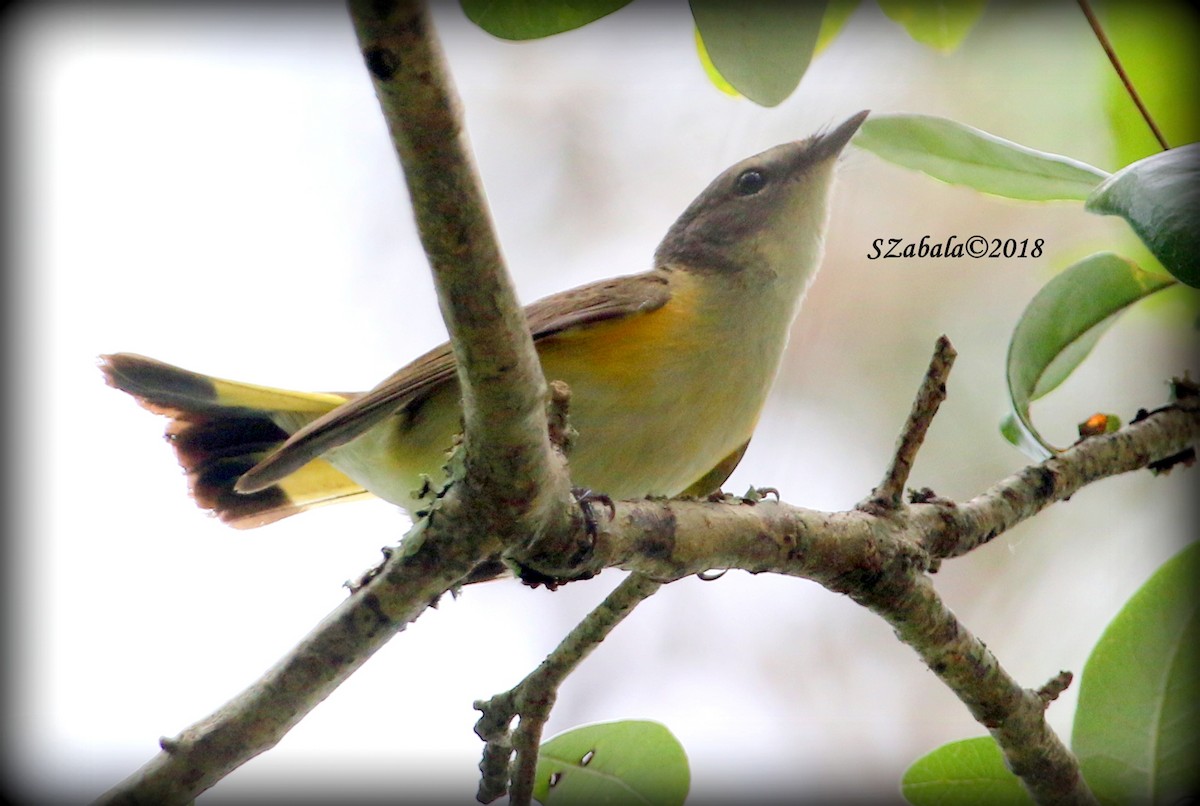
(585, 499)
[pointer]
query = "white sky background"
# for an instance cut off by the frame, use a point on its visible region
(216, 189)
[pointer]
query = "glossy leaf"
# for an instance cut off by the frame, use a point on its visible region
(940, 24)
(1158, 52)
(762, 49)
(1014, 430)
(837, 14)
(966, 772)
(637, 762)
(1139, 696)
(517, 19)
(1160, 198)
(962, 155)
(1058, 329)
(710, 70)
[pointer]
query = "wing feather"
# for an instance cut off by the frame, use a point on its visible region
(588, 304)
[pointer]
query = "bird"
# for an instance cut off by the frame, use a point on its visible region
(669, 368)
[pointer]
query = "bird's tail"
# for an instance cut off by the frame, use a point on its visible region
(220, 429)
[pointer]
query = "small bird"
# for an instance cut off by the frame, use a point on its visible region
(668, 369)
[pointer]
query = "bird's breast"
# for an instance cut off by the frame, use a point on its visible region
(659, 398)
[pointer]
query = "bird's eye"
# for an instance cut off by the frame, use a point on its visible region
(750, 182)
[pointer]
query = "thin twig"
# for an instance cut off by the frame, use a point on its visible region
(886, 496)
(533, 697)
(1102, 37)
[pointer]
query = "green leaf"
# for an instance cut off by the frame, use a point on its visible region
(837, 13)
(1139, 697)
(967, 772)
(1160, 198)
(631, 761)
(760, 48)
(1014, 430)
(1060, 326)
(1158, 52)
(940, 24)
(710, 70)
(518, 19)
(962, 155)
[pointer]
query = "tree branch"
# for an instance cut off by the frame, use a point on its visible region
(1015, 716)
(853, 552)
(514, 488)
(514, 474)
(533, 697)
(259, 717)
(953, 530)
(514, 484)
(880, 562)
(670, 539)
(886, 496)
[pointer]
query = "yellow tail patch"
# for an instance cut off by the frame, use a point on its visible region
(220, 429)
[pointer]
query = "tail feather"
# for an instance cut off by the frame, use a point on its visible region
(220, 429)
(201, 439)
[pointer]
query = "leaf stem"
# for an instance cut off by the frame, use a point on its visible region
(1102, 37)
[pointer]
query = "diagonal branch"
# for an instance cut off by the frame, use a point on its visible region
(1172, 432)
(886, 496)
(260, 716)
(1015, 716)
(533, 697)
(508, 455)
(514, 484)
(514, 481)
(877, 560)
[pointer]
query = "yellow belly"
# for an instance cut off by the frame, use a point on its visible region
(657, 399)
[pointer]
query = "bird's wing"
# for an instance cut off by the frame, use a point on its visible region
(588, 304)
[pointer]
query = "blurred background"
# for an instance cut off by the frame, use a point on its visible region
(215, 188)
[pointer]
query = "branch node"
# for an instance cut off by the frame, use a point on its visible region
(925, 495)
(382, 62)
(562, 435)
(1054, 687)
(756, 494)
(1184, 394)
(359, 582)
(533, 697)
(567, 555)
